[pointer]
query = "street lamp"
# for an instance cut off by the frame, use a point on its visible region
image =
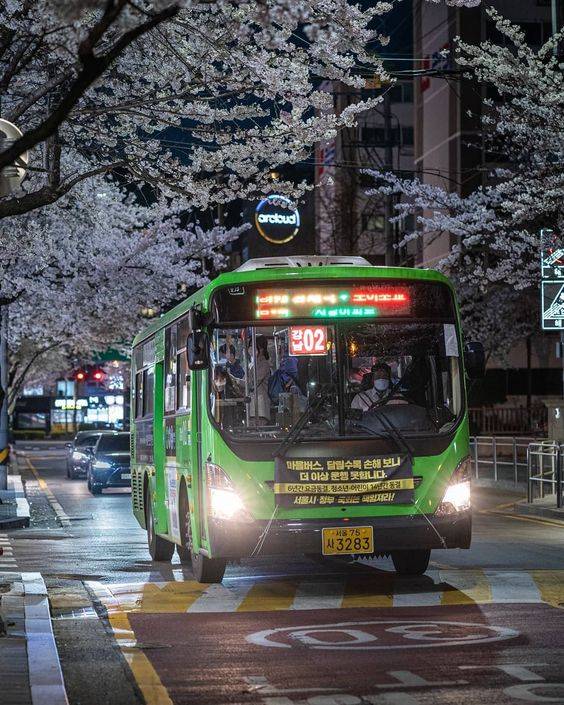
(11, 177)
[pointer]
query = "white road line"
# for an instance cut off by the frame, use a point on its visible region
(512, 586)
(220, 598)
(45, 675)
(318, 595)
(415, 592)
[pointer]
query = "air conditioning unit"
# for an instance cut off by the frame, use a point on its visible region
(301, 261)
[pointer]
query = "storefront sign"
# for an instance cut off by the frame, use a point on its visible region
(314, 482)
(277, 220)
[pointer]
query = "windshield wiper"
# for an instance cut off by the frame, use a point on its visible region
(300, 424)
(393, 432)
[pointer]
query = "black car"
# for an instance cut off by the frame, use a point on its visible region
(80, 453)
(109, 465)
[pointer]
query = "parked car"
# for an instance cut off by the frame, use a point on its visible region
(80, 453)
(109, 465)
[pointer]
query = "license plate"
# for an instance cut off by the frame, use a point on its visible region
(345, 541)
(126, 476)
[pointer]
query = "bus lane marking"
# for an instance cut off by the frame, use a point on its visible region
(382, 635)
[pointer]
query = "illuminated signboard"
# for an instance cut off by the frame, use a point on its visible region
(332, 302)
(308, 340)
(276, 219)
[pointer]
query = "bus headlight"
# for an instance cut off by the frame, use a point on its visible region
(223, 500)
(457, 497)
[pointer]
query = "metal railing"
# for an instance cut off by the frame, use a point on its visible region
(503, 420)
(544, 471)
(500, 458)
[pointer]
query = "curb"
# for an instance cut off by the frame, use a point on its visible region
(45, 675)
(15, 494)
(525, 509)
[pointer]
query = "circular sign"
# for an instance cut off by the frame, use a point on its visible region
(276, 219)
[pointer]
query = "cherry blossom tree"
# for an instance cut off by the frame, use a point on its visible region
(495, 259)
(82, 270)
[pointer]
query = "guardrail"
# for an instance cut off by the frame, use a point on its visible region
(544, 469)
(500, 458)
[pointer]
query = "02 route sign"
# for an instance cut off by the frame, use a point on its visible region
(552, 281)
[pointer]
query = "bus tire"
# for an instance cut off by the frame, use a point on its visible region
(412, 562)
(160, 549)
(205, 570)
(184, 549)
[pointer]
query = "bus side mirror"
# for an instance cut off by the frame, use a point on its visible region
(198, 350)
(474, 360)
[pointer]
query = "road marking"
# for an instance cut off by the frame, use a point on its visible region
(535, 520)
(513, 587)
(269, 596)
(7, 560)
(381, 589)
(57, 508)
(45, 675)
(466, 587)
(382, 635)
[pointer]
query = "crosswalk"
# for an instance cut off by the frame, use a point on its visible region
(436, 588)
(7, 560)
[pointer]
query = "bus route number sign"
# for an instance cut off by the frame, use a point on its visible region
(308, 340)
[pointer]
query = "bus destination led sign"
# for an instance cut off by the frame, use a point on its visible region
(328, 302)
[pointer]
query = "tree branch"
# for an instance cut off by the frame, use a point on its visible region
(92, 68)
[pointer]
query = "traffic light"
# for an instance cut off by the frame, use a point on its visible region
(80, 375)
(98, 375)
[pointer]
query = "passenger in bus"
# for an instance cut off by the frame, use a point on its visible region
(377, 393)
(232, 364)
(260, 400)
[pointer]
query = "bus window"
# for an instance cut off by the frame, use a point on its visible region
(148, 391)
(183, 382)
(139, 395)
(170, 370)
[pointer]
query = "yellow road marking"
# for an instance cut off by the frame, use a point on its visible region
(537, 520)
(551, 586)
(269, 596)
(145, 675)
(4, 455)
(468, 587)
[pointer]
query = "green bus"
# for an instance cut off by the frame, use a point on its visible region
(308, 405)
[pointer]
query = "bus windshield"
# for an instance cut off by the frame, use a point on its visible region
(353, 377)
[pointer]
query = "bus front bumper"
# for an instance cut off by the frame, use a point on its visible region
(230, 539)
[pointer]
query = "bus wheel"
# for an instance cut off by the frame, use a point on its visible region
(159, 548)
(185, 549)
(414, 562)
(206, 570)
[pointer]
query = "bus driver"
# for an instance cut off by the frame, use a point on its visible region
(381, 385)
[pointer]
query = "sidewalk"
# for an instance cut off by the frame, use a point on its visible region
(545, 508)
(30, 671)
(14, 507)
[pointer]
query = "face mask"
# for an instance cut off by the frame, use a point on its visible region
(381, 385)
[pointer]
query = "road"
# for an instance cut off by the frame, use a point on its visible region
(485, 624)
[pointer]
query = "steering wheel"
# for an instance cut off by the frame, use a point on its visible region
(380, 402)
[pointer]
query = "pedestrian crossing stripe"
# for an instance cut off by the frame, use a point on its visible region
(444, 587)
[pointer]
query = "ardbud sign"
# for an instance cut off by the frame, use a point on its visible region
(277, 220)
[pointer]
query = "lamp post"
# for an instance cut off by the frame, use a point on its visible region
(10, 178)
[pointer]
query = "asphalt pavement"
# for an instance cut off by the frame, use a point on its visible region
(483, 624)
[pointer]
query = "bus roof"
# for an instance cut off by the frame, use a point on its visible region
(203, 295)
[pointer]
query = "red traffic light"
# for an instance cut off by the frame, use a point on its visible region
(98, 375)
(80, 376)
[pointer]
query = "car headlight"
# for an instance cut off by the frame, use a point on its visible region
(457, 497)
(223, 500)
(101, 465)
(77, 455)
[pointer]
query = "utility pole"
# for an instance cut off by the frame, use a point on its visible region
(388, 166)
(10, 178)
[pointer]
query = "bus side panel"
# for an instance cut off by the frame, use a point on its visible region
(198, 455)
(159, 488)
